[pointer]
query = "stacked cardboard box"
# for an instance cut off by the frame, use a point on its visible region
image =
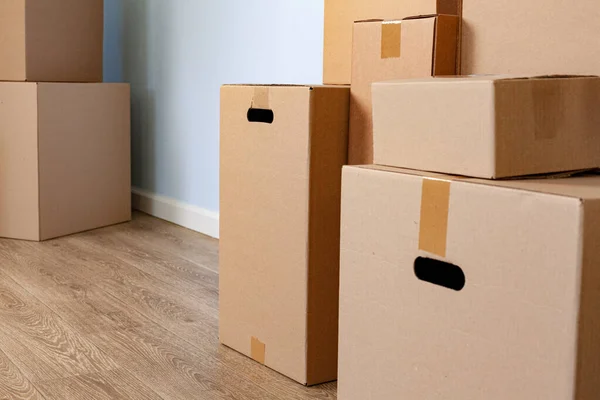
(469, 247)
(468, 220)
(64, 135)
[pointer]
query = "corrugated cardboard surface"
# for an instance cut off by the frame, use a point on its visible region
(340, 15)
(12, 40)
(393, 50)
(489, 127)
(51, 41)
(279, 238)
(84, 157)
(533, 37)
(64, 158)
(19, 203)
(522, 328)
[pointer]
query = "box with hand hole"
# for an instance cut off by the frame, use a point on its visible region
(458, 288)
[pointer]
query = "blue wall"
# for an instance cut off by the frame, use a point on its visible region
(177, 53)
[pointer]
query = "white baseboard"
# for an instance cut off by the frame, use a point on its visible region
(177, 212)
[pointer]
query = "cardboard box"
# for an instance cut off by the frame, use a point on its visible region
(414, 48)
(65, 162)
(51, 41)
(488, 126)
(534, 37)
(340, 16)
(468, 289)
(282, 152)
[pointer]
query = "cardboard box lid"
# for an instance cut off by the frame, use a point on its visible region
(479, 78)
(574, 185)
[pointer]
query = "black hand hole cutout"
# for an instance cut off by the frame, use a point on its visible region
(260, 115)
(440, 273)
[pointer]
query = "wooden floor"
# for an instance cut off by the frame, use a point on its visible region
(127, 312)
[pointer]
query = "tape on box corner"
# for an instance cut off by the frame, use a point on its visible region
(391, 39)
(257, 350)
(433, 227)
(260, 99)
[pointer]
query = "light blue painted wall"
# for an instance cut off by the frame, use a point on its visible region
(177, 53)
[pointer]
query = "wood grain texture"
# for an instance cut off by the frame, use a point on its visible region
(125, 311)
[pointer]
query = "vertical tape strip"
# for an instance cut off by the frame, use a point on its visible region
(261, 97)
(435, 203)
(257, 350)
(391, 38)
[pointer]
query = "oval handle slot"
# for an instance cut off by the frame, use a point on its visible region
(440, 273)
(261, 115)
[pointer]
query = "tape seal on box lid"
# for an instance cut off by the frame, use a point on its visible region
(260, 99)
(433, 226)
(257, 350)
(391, 39)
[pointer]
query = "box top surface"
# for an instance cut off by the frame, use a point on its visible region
(287, 86)
(585, 186)
(398, 21)
(482, 78)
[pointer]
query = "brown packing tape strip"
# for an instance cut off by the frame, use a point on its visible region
(435, 204)
(549, 112)
(261, 97)
(257, 350)
(391, 39)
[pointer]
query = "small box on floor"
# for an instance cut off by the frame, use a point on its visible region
(458, 288)
(65, 164)
(416, 47)
(488, 126)
(51, 41)
(340, 15)
(282, 152)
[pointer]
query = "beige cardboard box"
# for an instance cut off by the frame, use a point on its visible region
(488, 126)
(414, 48)
(282, 151)
(51, 41)
(65, 162)
(468, 289)
(340, 15)
(534, 37)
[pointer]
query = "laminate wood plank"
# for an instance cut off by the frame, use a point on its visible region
(40, 338)
(110, 385)
(152, 311)
(13, 384)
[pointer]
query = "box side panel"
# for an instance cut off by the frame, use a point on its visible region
(65, 40)
(588, 358)
(446, 46)
(536, 37)
(328, 153)
(413, 59)
(547, 125)
(339, 18)
(12, 40)
(264, 212)
(440, 126)
(519, 253)
(19, 212)
(85, 167)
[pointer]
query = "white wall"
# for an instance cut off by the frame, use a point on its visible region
(176, 54)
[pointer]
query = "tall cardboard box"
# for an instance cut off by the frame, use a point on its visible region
(282, 152)
(533, 37)
(51, 40)
(488, 126)
(340, 16)
(65, 158)
(468, 289)
(413, 48)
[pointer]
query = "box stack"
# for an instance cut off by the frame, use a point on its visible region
(64, 135)
(469, 216)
